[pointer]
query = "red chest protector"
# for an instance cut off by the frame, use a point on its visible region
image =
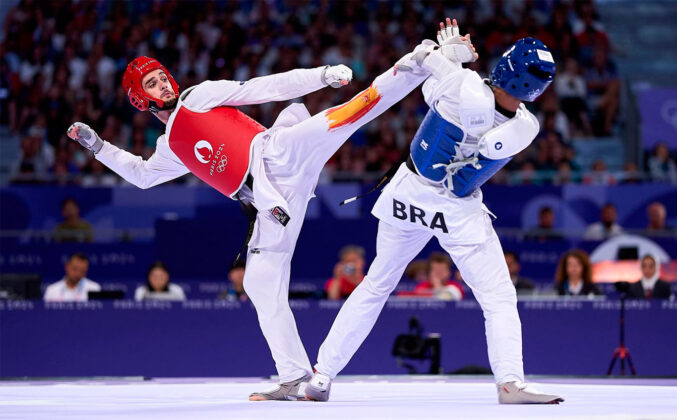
(215, 145)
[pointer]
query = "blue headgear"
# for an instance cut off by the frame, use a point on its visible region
(525, 70)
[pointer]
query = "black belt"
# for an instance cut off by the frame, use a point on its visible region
(250, 211)
(249, 182)
(411, 166)
(385, 178)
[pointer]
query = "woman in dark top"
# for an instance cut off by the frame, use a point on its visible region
(158, 285)
(574, 275)
(650, 286)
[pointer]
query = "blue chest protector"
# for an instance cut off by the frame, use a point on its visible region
(436, 153)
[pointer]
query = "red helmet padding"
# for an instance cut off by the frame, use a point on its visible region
(131, 81)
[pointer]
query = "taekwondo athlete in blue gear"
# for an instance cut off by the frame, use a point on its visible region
(524, 71)
(472, 129)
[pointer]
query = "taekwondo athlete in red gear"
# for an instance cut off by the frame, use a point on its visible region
(275, 169)
(473, 128)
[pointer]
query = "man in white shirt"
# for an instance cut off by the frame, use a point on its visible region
(606, 227)
(74, 286)
(275, 170)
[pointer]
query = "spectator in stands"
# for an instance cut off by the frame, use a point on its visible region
(631, 174)
(74, 286)
(662, 167)
(522, 284)
(650, 286)
(551, 118)
(564, 174)
(439, 283)
(606, 227)
(603, 91)
(527, 174)
(589, 31)
(64, 171)
(235, 291)
(657, 215)
(158, 286)
(573, 276)
(99, 175)
(64, 69)
(417, 270)
(599, 175)
(572, 90)
(33, 161)
(544, 231)
(348, 273)
(73, 228)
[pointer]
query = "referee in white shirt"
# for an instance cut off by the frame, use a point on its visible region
(74, 286)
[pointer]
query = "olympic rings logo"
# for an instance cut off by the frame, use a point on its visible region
(221, 166)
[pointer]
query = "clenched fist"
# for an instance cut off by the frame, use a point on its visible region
(84, 135)
(337, 76)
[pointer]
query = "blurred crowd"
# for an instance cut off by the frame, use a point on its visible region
(62, 62)
(433, 278)
(604, 228)
(437, 278)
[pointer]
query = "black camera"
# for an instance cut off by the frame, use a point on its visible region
(622, 287)
(416, 347)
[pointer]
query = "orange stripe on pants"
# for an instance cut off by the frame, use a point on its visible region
(354, 109)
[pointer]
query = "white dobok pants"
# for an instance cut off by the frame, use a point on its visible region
(411, 212)
(293, 154)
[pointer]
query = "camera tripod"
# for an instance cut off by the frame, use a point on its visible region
(621, 352)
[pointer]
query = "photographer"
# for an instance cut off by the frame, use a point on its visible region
(348, 273)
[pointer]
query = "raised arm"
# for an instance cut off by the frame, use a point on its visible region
(163, 166)
(276, 87)
(457, 50)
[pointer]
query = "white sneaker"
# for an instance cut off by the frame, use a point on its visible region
(319, 387)
(521, 393)
(287, 391)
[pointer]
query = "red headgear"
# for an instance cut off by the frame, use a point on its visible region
(131, 81)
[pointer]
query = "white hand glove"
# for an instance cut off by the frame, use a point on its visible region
(337, 76)
(84, 135)
(455, 47)
(413, 61)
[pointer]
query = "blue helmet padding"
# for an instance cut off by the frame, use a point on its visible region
(523, 71)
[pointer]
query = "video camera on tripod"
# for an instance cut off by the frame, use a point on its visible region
(414, 346)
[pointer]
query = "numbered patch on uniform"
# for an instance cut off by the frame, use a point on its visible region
(475, 120)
